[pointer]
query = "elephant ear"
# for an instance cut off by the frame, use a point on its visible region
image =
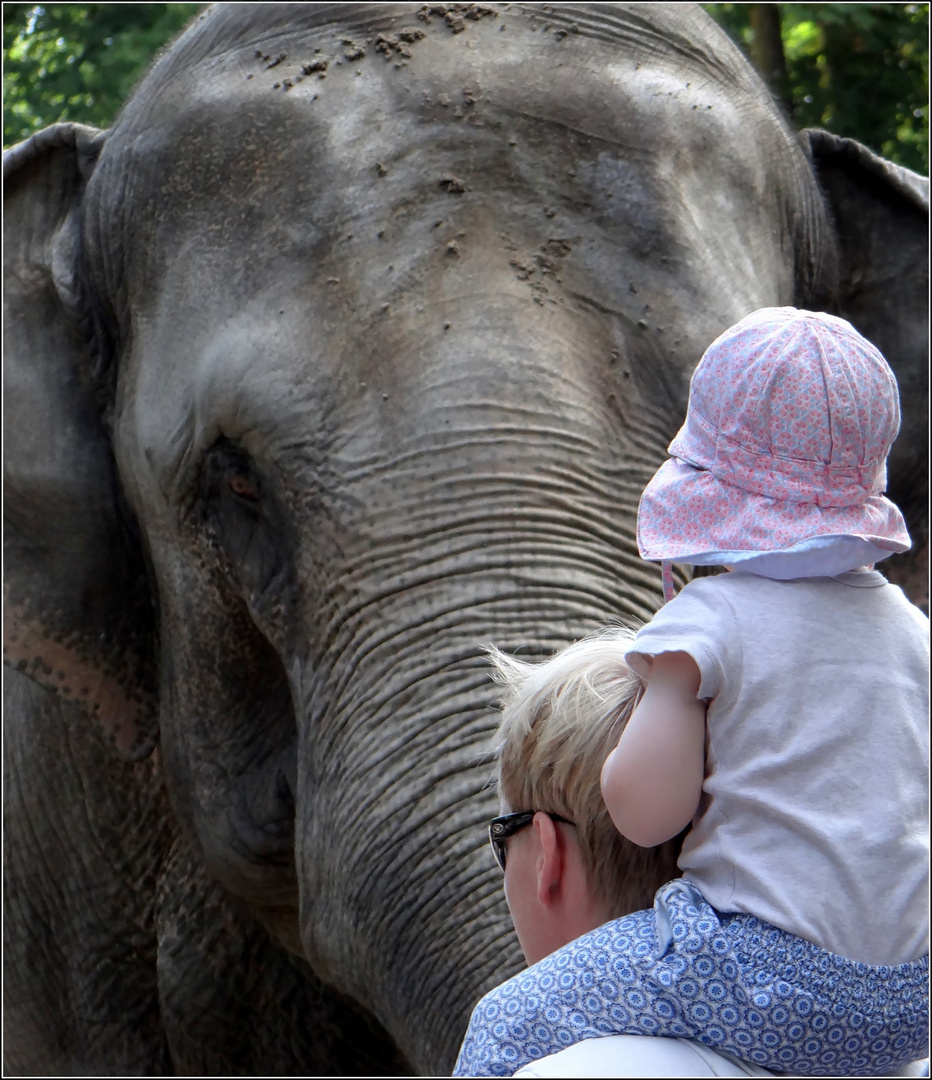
(78, 617)
(881, 216)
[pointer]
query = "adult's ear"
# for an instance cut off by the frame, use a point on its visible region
(78, 617)
(881, 217)
(551, 859)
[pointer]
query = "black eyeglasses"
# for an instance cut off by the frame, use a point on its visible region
(501, 828)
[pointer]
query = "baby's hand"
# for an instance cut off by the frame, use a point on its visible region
(652, 780)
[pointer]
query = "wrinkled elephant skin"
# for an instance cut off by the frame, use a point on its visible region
(344, 353)
(162, 974)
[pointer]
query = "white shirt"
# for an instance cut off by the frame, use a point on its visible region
(813, 813)
(651, 1055)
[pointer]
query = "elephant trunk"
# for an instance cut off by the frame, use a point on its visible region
(475, 537)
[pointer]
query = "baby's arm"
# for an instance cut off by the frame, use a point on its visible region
(652, 780)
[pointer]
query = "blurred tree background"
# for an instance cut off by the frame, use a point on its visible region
(860, 70)
(78, 61)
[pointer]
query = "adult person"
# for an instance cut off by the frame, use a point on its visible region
(562, 857)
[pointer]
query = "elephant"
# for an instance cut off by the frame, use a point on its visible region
(128, 959)
(345, 352)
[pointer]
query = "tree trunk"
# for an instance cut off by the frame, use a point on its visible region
(767, 48)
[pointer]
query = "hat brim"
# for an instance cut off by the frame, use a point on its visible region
(686, 513)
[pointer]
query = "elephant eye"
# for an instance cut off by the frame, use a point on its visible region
(228, 474)
(244, 487)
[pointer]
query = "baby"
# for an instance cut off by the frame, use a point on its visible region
(785, 718)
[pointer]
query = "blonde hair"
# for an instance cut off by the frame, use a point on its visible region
(560, 720)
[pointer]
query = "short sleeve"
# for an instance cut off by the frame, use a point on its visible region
(697, 621)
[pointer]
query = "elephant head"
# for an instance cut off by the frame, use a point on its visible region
(347, 351)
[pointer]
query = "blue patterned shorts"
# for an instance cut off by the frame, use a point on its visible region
(730, 981)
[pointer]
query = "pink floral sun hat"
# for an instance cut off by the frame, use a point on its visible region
(780, 465)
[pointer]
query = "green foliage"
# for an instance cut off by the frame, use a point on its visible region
(859, 70)
(78, 61)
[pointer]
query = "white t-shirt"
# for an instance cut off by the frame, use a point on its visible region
(639, 1055)
(651, 1055)
(813, 813)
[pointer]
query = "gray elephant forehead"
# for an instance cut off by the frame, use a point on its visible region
(286, 112)
(241, 180)
(296, 41)
(658, 28)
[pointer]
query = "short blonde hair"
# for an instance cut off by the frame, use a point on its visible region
(560, 720)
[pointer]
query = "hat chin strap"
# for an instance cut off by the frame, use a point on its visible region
(669, 590)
